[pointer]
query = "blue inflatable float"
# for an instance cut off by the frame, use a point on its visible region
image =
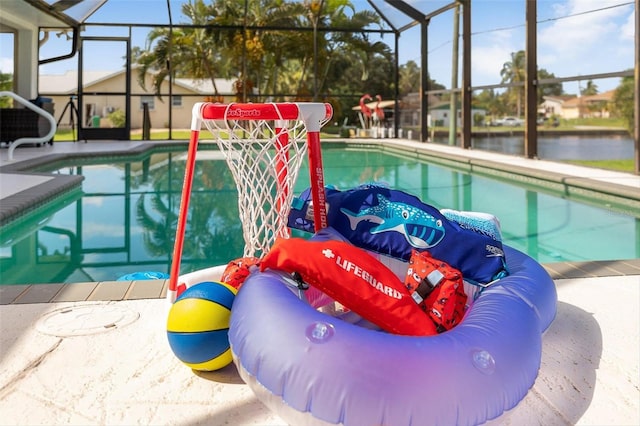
(313, 368)
(144, 275)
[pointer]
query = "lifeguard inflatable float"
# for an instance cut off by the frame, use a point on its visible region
(315, 368)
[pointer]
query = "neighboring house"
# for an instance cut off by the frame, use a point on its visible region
(410, 108)
(553, 105)
(98, 106)
(588, 106)
(572, 106)
(441, 116)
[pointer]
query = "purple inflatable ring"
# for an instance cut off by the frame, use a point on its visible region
(312, 368)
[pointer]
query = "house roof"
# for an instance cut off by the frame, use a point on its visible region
(591, 99)
(67, 83)
(573, 100)
(412, 100)
(559, 98)
(223, 85)
(604, 96)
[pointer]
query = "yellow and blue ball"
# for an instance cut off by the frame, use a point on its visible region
(198, 326)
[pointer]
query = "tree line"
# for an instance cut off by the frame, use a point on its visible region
(274, 50)
(511, 100)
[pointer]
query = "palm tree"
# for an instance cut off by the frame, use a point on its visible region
(590, 89)
(514, 71)
(489, 100)
(548, 89)
(256, 43)
(187, 52)
(280, 67)
(256, 55)
(354, 46)
(212, 220)
(622, 103)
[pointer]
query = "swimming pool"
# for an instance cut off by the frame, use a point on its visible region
(123, 219)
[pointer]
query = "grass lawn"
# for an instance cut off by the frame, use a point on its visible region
(617, 165)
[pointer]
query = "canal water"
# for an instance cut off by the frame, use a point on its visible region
(559, 147)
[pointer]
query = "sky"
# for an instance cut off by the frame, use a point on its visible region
(572, 40)
(575, 37)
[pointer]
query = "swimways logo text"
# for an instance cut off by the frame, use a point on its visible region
(356, 270)
(418, 227)
(235, 113)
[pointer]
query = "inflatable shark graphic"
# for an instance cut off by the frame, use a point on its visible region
(419, 228)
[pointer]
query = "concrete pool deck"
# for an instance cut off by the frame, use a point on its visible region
(108, 363)
(94, 354)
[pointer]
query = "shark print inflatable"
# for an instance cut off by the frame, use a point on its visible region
(393, 223)
(418, 227)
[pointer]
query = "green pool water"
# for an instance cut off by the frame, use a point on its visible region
(123, 218)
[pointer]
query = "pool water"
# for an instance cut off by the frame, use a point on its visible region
(123, 219)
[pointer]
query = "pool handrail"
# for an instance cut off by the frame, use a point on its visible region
(43, 139)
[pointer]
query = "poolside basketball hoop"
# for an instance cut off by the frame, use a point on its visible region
(264, 146)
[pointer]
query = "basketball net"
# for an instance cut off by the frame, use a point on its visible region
(264, 146)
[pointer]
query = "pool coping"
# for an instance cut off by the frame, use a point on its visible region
(510, 168)
(16, 205)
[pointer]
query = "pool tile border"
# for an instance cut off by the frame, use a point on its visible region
(580, 188)
(157, 289)
(83, 292)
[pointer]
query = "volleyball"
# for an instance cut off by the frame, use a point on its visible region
(198, 326)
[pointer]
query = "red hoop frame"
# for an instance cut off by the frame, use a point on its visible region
(314, 115)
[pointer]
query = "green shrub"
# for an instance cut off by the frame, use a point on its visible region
(117, 118)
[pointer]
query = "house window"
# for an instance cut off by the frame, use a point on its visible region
(176, 101)
(149, 100)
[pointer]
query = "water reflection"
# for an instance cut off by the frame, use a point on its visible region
(546, 226)
(124, 221)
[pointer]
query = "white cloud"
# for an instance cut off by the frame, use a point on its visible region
(98, 229)
(93, 201)
(586, 37)
(487, 62)
(6, 65)
(627, 32)
(573, 35)
(490, 51)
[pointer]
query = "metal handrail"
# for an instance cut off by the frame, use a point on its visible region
(37, 109)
